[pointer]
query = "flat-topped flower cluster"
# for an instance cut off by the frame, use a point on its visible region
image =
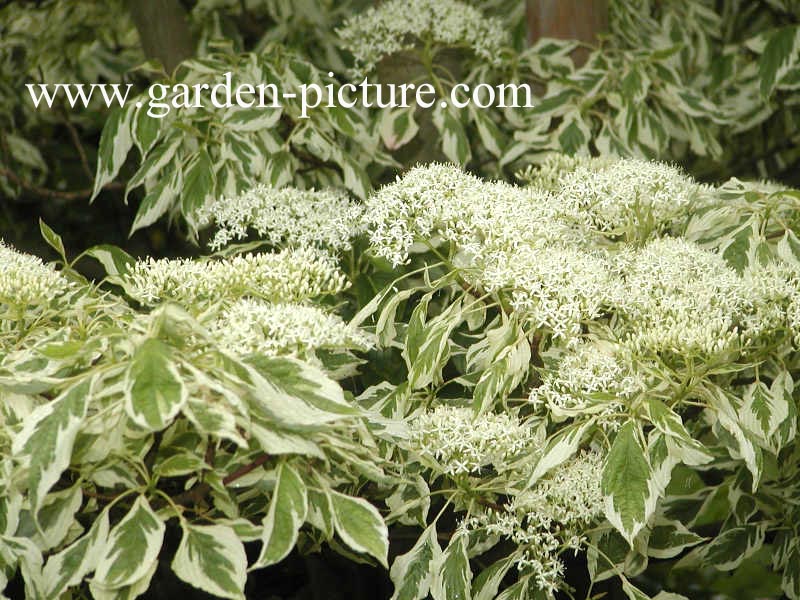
(399, 25)
(286, 216)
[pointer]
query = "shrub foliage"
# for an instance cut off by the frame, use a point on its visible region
(600, 362)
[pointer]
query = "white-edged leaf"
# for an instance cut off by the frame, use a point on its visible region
(729, 549)
(560, 448)
(158, 200)
(68, 567)
(398, 127)
(199, 183)
(780, 55)
(251, 119)
(452, 576)
(361, 526)
(286, 514)
(154, 390)
(412, 572)
(115, 143)
(132, 547)
(455, 143)
(212, 558)
(626, 484)
(47, 438)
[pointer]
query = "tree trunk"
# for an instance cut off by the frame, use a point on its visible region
(163, 29)
(567, 19)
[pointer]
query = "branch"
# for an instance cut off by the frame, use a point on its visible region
(55, 194)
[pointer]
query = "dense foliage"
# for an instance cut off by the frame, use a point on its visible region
(483, 353)
(601, 362)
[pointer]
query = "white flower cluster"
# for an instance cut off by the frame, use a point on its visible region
(569, 496)
(26, 281)
(554, 286)
(548, 173)
(509, 238)
(677, 297)
(285, 216)
(549, 517)
(775, 291)
(592, 377)
(631, 198)
(461, 444)
(398, 25)
(254, 326)
(292, 275)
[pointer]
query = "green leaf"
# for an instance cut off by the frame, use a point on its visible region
(47, 438)
(629, 497)
(53, 240)
(398, 127)
(132, 547)
(296, 393)
(669, 538)
(452, 577)
(455, 143)
(561, 447)
(115, 260)
(361, 526)
(286, 514)
(158, 201)
(198, 184)
(779, 57)
(412, 572)
(212, 558)
(727, 551)
(115, 143)
(154, 391)
(251, 119)
(790, 583)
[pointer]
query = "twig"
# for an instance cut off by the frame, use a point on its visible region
(242, 471)
(76, 141)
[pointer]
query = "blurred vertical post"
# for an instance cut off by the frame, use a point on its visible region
(579, 20)
(163, 27)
